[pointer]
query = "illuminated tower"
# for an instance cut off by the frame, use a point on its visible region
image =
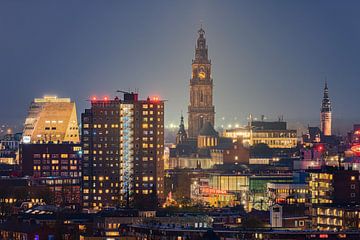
(325, 115)
(201, 109)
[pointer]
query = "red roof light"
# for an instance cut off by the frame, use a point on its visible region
(155, 99)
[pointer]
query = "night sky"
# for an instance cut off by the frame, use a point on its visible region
(269, 57)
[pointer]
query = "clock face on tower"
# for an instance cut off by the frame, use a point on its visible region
(202, 74)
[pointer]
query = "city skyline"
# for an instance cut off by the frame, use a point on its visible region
(179, 119)
(89, 53)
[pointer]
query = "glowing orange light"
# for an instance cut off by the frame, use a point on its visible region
(357, 132)
(106, 98)
(94, 98)
(155, 99)
(356, 149)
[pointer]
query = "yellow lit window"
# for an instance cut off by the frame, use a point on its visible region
(77, 148)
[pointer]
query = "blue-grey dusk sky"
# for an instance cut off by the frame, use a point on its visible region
(269, 57)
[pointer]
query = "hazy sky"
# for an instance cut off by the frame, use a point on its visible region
(269, 57)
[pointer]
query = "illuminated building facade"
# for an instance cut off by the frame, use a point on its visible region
(325, 114)
(354, 141)
(331, 185)
(288, 193)
(51, 119)
(201, 109)
(9, 148)
(56, 166)
(335, 217)
(274, 134)
(123, 146)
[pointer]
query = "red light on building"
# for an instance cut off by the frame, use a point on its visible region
(356, 149)
(93, 98)
(106, 98)
(320, 148)
(155, 99)
(323, 236)
(357, 132)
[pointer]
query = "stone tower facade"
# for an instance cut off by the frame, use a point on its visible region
(201, 108)
(325, 114)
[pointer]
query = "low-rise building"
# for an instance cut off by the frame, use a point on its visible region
(289, 193)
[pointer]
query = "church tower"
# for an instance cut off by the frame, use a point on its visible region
(201, 109)
(181, 135)
(325, 114)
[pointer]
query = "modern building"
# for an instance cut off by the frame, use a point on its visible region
(325, 114)
(332, 185)
(123, 151)
(288, 193)
(55, 166)
(336, 217)
(201, 108)
(51, 119)
(275, 134)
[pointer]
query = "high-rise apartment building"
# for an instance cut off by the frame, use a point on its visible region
(123, 148)
(51, 119)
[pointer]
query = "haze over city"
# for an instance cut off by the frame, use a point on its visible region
(268, 59)
(201, 120)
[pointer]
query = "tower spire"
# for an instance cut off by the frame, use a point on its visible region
(325, 114)
(181, 135)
